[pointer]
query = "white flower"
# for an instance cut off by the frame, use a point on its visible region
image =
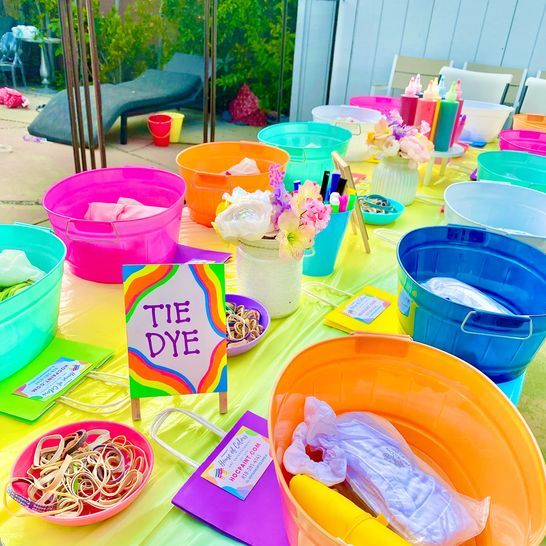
(247, 218)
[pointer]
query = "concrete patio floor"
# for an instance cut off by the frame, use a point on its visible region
(32, 167)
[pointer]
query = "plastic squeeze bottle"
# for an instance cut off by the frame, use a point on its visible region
(408, 101)
(459, 91)
(446, 120)
(341, 517)
(426, 108)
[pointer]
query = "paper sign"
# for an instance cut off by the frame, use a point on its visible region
(240, 464)
(366, 308)
(53, 379)
(176, 329)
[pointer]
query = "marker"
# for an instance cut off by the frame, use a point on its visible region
(352, 201)
(324, 186)
(341, 186)
(335, 181)
(296, 185)
(334, 201)
(343, 201)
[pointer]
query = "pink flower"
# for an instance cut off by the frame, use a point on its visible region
(317, 214)
(424, 128)
(416, 148)
(308, 191)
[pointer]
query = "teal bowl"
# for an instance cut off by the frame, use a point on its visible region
(376, 219)
(28, 320)
(517, 168)
(310, 145)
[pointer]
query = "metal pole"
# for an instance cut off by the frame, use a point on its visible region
(95, 74)
(206, 53)
(283, 52)
(85, 77)
(69, 83)
(75, 71)
(213, 67)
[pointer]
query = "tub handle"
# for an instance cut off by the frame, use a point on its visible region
(343, 125)
(389, 235)
(160, 418)
(225, 186)
(303, 159)
(83, 238)
(508, 319)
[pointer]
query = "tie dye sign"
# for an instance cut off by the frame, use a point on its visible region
(176, 329)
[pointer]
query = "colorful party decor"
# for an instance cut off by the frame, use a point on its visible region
(176, 330)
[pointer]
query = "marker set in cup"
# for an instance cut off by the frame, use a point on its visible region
(332, 189)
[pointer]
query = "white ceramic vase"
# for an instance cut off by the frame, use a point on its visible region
(263, 275)
(394, 178)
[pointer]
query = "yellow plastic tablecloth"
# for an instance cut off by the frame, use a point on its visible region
(93, 313)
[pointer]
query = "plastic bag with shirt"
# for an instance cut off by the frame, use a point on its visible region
(383, 471)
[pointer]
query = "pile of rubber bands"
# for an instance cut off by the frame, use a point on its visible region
(243, 325)
(81, 473)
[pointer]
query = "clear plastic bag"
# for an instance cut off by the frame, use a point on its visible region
(383, 471)
(460, 292)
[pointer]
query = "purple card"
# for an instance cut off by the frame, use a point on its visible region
(257, 519)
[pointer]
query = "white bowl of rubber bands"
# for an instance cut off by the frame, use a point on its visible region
(247, 321)
(81, 473)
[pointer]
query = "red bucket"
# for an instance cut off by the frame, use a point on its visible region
(160, 128)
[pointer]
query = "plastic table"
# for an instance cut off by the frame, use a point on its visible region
(93, 313)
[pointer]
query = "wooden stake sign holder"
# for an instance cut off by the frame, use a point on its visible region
(357, 217)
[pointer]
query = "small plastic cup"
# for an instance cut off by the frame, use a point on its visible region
(160, 128)
(176, 126)
(321, 259)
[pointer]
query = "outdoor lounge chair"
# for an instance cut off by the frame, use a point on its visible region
(152, 91)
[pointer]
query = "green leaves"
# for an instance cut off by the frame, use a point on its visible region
(149, 32)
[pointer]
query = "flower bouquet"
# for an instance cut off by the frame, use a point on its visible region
(272, 230)
(401, 149)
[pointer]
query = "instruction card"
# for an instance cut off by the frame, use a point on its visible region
(366, 308)
(51, 381)
(241, 463)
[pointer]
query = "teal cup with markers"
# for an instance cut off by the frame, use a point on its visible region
(321, 259)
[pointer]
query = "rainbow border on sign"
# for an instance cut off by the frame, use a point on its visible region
(150, 379)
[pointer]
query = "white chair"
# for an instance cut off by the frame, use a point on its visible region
(478, 86)
(533, 98)
(403, 68)
(516, 85)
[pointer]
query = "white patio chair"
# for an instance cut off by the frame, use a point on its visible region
(479, 86)
(516, 85)
(403, 68)
(533, 99)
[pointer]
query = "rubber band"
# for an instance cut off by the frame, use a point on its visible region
(78, 475)
(243, 325)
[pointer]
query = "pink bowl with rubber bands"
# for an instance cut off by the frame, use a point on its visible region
(125, 461)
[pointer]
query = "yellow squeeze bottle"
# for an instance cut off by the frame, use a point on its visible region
(341, 517)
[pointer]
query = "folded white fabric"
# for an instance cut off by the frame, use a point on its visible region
(15, 268)
(125, 209)
(460, 292)
(244, 167)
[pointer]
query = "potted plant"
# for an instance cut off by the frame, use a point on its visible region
(272, 230)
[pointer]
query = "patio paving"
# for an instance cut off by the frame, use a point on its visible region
(30, 168)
